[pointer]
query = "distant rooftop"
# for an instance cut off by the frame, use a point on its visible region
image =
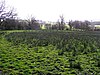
(96, 22)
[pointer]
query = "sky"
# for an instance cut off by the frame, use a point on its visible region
(50, 10)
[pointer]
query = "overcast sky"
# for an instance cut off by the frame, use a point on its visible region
(49, 10)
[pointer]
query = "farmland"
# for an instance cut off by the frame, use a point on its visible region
(45, 52)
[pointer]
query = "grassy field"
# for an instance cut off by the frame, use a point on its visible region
(49, 52)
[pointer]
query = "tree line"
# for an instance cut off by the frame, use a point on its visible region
(9, 21)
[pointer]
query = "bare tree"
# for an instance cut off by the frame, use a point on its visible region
(70, 24)
(5, 12)
(33, 23)
(62, 23)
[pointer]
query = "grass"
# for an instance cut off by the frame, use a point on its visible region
(49, 52)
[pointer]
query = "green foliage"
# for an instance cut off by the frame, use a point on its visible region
(49, 53)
